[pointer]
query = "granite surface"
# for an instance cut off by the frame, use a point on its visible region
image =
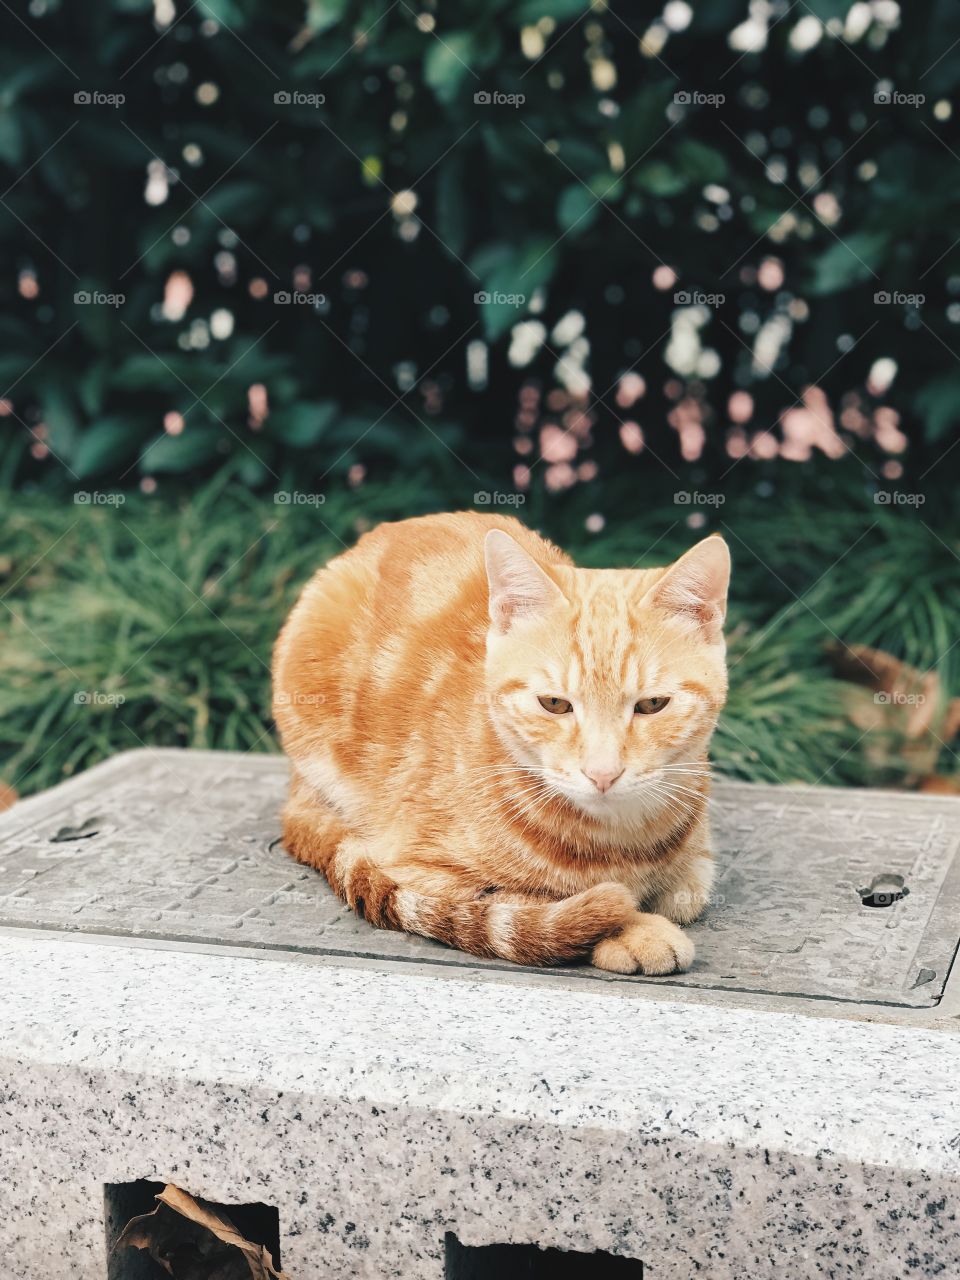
(185, 845)
(378, 1109)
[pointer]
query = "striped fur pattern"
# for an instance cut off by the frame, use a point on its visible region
(498, 750)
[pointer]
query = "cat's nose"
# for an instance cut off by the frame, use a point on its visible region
(602, 779)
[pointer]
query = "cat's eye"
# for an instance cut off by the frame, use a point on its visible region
(556, 706)
(650, 706)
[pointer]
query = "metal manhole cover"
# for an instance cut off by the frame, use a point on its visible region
(184, 846)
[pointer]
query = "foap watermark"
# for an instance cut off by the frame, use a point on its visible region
(484, 498)
(97, 498)
(697, 498)
(298, 699)
(694, 98)
(897, 698)
(294, 498)
(294, 298)
(494, 98)
(94, 298)
(295, 98)
(897, 498)
(94, 98)
(894, 98)
(694, 298)
(491, 699)
(483, 298)
(97, 698)
(687, 898)
(894, 298)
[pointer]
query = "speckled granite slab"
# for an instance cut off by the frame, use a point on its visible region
(378, 1108)
(185, 846)
(168, 1021)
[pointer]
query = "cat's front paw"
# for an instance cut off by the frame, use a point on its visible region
(688, 900)
(651, 944)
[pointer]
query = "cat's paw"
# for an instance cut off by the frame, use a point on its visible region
(651, 944)
(688, 901)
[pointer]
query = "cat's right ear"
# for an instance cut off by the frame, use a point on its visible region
(518, 587)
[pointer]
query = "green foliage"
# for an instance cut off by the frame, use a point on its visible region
(613, 147)
(154, 623)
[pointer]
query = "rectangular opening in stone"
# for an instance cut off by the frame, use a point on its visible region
(259, 1223)
(530, 1262)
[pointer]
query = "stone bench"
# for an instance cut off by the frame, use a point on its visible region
(182, 1002)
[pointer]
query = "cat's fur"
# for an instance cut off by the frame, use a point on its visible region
(437, 794)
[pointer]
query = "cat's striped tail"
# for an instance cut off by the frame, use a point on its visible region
(526, 930)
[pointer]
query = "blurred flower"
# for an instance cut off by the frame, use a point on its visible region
(737, 444)
(403, 203)
(810, 426)
(526, 339)
(806, 34)
(751, 36)
(677, 15)
(532, 43)
(177, 295)
(827, 207)
(557, 445)
(740, 406)
(631, 437)
(686, 418)
(764, 446)
(560, 476)
(258, 405)
(881, 376)
(772, 335)
(630, 389)
(770, 274)
(578, 422)
(603, 73)
(158, 183)
(568, 329)
(888, 433)
(221, 323)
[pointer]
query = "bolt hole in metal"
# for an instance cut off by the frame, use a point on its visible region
(83, 832)
(883, 891)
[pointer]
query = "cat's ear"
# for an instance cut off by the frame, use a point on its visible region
(519, 588)
(696, 587)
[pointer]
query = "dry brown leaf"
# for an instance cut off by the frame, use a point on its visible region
(910, 722)
(194, 1240)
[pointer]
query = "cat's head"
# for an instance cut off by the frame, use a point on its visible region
(607, 683)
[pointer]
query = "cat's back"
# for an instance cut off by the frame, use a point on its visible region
(409, 593)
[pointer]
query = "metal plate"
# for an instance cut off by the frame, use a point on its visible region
(184, 846)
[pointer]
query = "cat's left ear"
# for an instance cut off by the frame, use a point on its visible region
(519, 588)
(696, 587)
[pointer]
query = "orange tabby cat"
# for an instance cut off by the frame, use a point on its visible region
(496, 749)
